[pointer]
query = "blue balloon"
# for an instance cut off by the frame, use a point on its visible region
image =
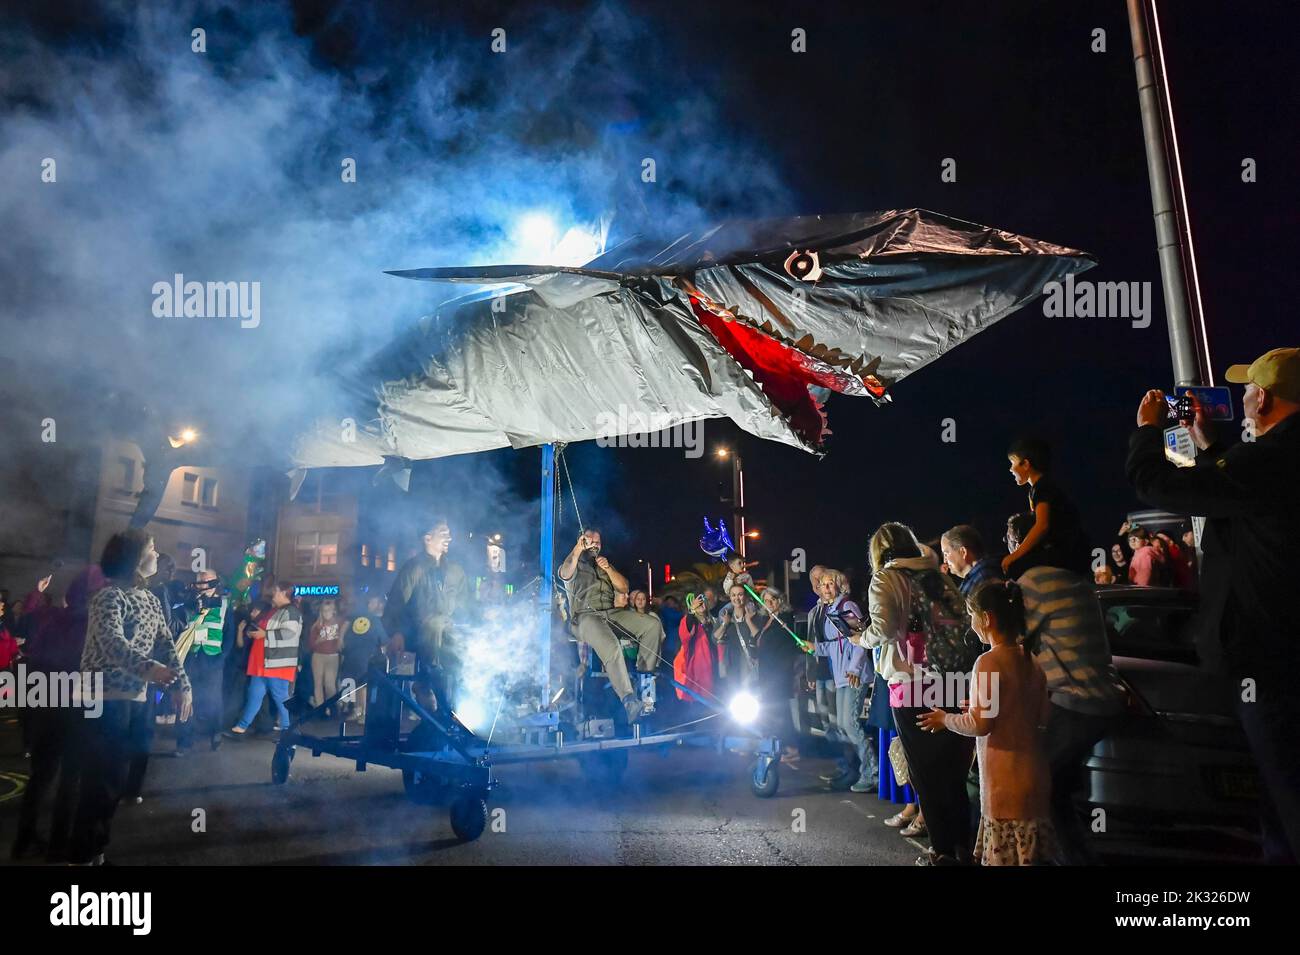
(716, 542)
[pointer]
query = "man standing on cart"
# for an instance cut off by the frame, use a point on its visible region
(428, 593)
(591, 583)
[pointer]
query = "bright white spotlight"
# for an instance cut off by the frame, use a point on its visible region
(538, 239)
(578, 247)
(473, 714)
(744, 708)
(537, 234)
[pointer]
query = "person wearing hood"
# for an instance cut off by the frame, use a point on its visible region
(903, 577)
(55, 647)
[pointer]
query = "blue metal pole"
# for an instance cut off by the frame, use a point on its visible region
(545, 565)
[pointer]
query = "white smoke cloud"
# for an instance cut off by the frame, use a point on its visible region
(225, 166)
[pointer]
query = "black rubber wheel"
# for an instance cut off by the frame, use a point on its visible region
(280, 764)
(765, 779)
(605, 768)
(423, 789)
(469, 816)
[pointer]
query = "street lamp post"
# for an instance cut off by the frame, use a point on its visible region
(737, 497)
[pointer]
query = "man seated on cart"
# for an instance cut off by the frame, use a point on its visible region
(593, 585)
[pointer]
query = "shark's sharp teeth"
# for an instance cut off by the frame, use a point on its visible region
(871, 367)
(819, 350)
(804, 343)
(856, 365)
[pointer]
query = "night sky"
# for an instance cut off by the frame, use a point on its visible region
(1048, 142)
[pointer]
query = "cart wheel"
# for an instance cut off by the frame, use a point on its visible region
(605, 768)
(469, 815)
(280, 764)
(423, 789)
(766, 777)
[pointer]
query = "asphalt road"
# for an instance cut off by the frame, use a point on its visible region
(679, 807)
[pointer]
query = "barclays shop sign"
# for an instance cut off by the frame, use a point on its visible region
(316, 590)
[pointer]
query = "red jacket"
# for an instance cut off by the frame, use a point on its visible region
(694, 664)
(8, 648)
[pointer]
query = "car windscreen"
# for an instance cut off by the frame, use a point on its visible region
(1151, 631)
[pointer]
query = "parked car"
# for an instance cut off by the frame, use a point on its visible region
(1181, 762)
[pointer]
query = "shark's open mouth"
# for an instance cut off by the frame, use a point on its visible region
(788, 370)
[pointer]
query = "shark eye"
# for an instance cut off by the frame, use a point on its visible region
(804, 266)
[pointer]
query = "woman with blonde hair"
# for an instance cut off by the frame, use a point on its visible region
(905, 588)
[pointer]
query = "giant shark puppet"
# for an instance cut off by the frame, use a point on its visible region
(756, 321)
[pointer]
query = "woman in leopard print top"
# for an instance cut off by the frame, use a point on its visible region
(128, 642)
(128, 639)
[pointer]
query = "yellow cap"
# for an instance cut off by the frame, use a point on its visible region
(1277, 372)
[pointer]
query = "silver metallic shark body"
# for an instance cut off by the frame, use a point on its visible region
(751, 321)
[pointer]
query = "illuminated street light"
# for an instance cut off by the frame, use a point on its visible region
(752, 535)
(722, 452)
(187, 436)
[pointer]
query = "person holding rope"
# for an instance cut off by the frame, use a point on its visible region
(592, 585)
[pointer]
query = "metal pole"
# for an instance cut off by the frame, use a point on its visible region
(545, 565)
(738, 500)
(1187, 339)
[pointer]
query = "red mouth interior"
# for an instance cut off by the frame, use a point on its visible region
(784, 372)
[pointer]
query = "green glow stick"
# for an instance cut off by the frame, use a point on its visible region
(807, 647)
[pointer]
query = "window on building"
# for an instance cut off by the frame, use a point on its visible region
(190, 488)
(304, 551)
(327, 551)
(208, 492)
(365, 555)
(315, 550)
(392, 557)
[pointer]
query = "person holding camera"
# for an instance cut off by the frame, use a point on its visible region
(202, 644)
(591, 583)
(1250, 497)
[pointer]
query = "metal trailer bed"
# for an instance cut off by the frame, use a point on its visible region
(444, 763)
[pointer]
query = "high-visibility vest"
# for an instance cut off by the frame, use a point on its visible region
(208, 628)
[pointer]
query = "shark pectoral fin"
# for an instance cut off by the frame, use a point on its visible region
(296, 477)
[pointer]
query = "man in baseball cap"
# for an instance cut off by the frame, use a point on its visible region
(1276, 372)
(1249, 495)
